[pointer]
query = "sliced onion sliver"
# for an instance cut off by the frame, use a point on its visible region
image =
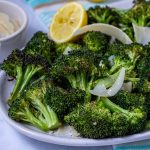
(67, 50)
(106, 29)
(101, 91)
(142, 34)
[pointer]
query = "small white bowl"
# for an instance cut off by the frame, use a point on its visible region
(16, 39)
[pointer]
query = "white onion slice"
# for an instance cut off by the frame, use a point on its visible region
(106, 29)
(127, 86)
(142, 34)
(67, 50)
(101, 91)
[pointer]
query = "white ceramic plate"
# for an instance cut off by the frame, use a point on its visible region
(5, 89)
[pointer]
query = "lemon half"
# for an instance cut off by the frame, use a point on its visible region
(66, 21)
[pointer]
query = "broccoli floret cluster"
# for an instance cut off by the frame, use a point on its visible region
(54, 83)
(139, 15)
(104, 119)
(23, 67)
(103, 15)
(96, 41)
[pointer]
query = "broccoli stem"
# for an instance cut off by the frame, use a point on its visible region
(27, 71)
(72, 81)
(54, 119)
(32, 119)
(17, 85)
(48, 115)
(132, 117)
(114, 68)
(132, 79)
(81, 78)
(50, 118)
(80, 82)
(88, 88)
(113, 107)
(29, 75)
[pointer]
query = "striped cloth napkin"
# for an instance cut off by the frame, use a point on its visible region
(45, 9)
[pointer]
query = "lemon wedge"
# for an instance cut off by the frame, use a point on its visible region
(66, 21)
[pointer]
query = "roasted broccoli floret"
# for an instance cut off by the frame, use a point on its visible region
(105, 119)
(135, 117)
(139, 14)
(142, 85)
(63, 101)
(22, 111)
(134, 50)
(13, 66)
(125, 56)
(91, 121)
(79, 68)
(121, 61)
(41, 45)
(96, 41)
(103, 15)
(32, 108)
(128, 100)
(143, 67)
(23, 67)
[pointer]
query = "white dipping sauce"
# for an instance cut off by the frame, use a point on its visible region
(7, 26)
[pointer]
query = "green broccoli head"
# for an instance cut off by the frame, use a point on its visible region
(79, 68)
(96, 41)
(24, 66)
(128, 100)
(94, 120)
(143, 85)
(91, 121)
(36, 64)
(41, 45)
(122, 61)
(136, 117)
(13, 66)
(63, 101)
(22, 111)
(13, 63)
(143, 67)
(135, 51)
(103, 15)
(126, 56)
(120, 125)
(139, 14)
(35, 94)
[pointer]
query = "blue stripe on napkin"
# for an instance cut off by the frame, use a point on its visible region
(135, 147)
(35, 3)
